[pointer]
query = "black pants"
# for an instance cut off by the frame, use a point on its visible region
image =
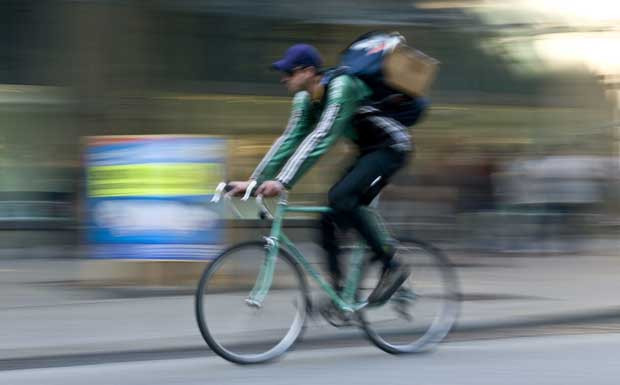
(357, 188)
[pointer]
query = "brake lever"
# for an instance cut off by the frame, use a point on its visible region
(248, 191)
(218, 192)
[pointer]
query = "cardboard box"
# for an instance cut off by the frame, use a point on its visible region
(410, 70)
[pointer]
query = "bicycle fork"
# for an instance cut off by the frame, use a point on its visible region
(265, 276)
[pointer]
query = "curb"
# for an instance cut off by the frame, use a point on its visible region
(348, 337)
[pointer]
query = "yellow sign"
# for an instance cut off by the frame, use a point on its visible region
(154, 179)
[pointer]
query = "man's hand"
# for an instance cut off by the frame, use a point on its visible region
(238, 188)
(271, 188)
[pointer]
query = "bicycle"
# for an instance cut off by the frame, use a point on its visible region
(243, 275)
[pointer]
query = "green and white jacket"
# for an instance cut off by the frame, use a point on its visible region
(314, 126)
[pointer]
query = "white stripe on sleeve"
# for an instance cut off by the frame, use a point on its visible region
(309, 144)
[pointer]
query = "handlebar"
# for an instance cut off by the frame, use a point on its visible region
(223, 187)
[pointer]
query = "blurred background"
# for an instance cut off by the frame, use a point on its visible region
(119, 117)
(518, 153)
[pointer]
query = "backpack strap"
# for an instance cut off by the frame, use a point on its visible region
(328, 76)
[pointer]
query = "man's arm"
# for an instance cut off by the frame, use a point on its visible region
(287, 143)
(340, 106)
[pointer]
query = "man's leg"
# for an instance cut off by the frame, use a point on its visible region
(329, 243)
(347, 196)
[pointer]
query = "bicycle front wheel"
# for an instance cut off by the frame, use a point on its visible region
(421, 313)
(241, 331)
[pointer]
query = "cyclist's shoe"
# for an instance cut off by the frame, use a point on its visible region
(392, 278)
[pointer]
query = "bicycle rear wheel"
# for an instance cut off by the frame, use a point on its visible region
(241, 332)
(421, 313)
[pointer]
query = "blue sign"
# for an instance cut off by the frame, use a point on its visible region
(148, 196)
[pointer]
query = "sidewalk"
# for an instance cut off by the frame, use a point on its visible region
(42, 317)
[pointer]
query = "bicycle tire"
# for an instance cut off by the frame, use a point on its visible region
(279, 346)
(423, 337)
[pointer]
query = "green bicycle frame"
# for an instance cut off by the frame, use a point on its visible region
(346, 302)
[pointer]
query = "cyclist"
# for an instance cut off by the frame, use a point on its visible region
(327, 105)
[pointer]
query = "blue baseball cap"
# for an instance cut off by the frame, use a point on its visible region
(299, 55)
